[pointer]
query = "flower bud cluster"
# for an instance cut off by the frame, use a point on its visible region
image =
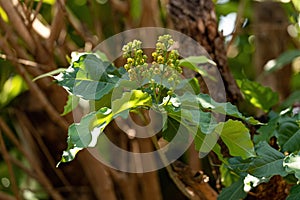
(136, 59)
(166, 62)
(165, 65)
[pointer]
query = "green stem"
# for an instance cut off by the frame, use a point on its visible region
(154, 92)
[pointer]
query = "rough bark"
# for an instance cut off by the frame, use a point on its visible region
(197, 19)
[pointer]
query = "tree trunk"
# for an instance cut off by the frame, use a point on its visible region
(198, 20)
(271, 39)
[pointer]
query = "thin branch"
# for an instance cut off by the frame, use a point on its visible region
(21, 166)
(43, 178)
(18, 24)
(80, 29)
(28, 128)
(25, 62)
(121, 6)
(36, 91)
(5, 196)
(36, 12)
(57, 23)
(13, 40)
(238, 22)
(9, 167)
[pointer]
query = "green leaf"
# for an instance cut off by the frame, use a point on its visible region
(239, 166)
(295, 190)
(185, 85)
(287, 134)
(71, 104)
(204, 143)
(268, 162)
(296, 4)
(228, 177)
(12, 87)
(258, 95)
(267, 131)
(79, 133)
(194, 118)
(79, 137)
(205, 102)
(193, 63)
(237, 138)
(284, 59)
(291, 164)
(89, 77)
(173, 129)
(170, 131)
(233, 192)
(122, 106)
(293, 98)
(289, 137)
(84, 134)
(234, 134)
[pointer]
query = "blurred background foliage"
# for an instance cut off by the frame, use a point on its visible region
(87, 23)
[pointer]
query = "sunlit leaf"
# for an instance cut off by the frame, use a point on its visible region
(85, 134)
(237, 138)
(12, 88)
(296, 4)
(258, 95)
(3, 14)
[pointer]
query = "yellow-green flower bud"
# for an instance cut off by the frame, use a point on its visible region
(130, 60)
(126, 66)
(160, 59)
(170, 92)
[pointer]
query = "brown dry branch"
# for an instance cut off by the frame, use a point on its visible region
(57, 24)
(121, 6)
(6, 156)
(5, 196)
(30, 134)
(42, 177)
(18, 24)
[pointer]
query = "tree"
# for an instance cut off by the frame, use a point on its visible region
(38, 37)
